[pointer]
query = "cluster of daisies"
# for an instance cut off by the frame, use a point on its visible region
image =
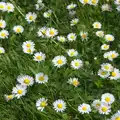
(107, 70)
(90, 2)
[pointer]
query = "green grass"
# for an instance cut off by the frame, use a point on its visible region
(15, 62)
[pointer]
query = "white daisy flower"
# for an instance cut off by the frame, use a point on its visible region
(104, 109)
(84, 35)
(115, 74)
(41, 104)
(103, 74)
(97, 25)
(28, 50)
(84, 2)
(106, 7)
(117, 2)
(76, 63)
(28, 44)
(47, 14)
(116, 116)
(19, 91)
(41, 78)
(74, 21)
(107, 98)
(109, 38)
(8, 97)
(39, 56)
(59, 105)
(71, 6)
(9, 7)
(4, 34)
(39, 6)
(31, 17)
(61, 39)
(2, 6)
(105, 47)
(2, 24)
(71, 37)
(72, 52)
(18, 29)
(94, 2)
(51, 32)
(111, 55)
(74, 81)
(107, 67)
(42, 32)
(2, 50)
(25, 80)
(59, 61)
(84, 108)
(96, 104)
(100, 34)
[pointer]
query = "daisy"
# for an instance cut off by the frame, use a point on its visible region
(85, 1)
(76, 63)
(47, 14)
(41, 104)
(19, 91)
(107, 98)
(105, 47)
(71, 6)
(100, 34)
(2, 6)
(94, 2)
(51, 32)
(18, 29)
(4, 34)
(72, 52)
(97, 25)
(104, 109)
(111, 55)
(74, 21)
(39, 56)
(84, 35)
(116, 116)
(103, 74)
(31, 17)
(25, 80)
(28, 44)
(59, 61)
(106, 7)
(117, 2)
(8, 97)
(59, 105)
(41, 78)
(2, 50)
(61, 39)
(115, 74)
(109, 38)
(96, 104)
(71, 37)
(107, 67)
(9, 7)
(84, 108)
(39, 6)
(2, 24)
(74, 82)
(42, 32)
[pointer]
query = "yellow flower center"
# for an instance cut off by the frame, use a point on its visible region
(72, 37)
(84, 36)
(59, 105)
(31, 17)
(77, 64)
(1, 6)
(104, 109)
(106, 67)
(97, 25)
(110, 38)
(1, 24)
(39, 57)
(98, 104)
(86, 1)
(106, 46)
(1, 51)
(18, 30)
(117, 118)
(84, 108)
(28, 45)
(114, 74)
(60, 61)
(72, 53)
(3, 34)
(107, 99)
(94, 1)
(113, 55)
(43, 104)
(29, 50)
(41, 78)
(75, 82)
(26, 81)
(103, 73)
(19, 91)
(9, 7)
(52, 32)
(10, 96)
